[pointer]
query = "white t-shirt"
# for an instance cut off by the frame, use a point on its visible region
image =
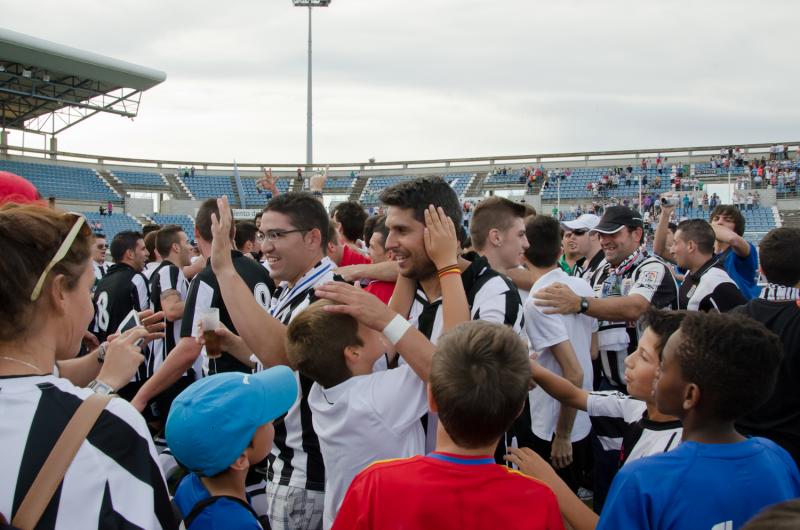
(149, 268)
(545, 331)
(365, 419)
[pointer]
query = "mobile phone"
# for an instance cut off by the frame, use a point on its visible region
(131, 321)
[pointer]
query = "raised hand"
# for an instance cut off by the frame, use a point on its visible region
(359, 304)
(441, 243)
(221, 245)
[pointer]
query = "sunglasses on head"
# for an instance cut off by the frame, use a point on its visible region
(579, 232)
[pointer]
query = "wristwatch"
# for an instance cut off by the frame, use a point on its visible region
(101, 352)
(584, 305)
(99, 387)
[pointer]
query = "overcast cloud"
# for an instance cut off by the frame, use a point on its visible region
(419, 79)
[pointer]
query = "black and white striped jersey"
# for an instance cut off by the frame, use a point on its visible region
(621, 424)
(651, 279)
(121, 290)
(114, 481)
(204, 293)
(490, 295)
(710, 289)
(585, 268)
(168, 278)
(296, 459)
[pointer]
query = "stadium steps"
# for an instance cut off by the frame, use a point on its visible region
(236, 199)
(791, 218)
(179, 189)
(476, 186)
(358, 187)
(115, 186)
(297, 184)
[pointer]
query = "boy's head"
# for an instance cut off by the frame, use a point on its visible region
(331, 347)
(544, 236)
(407, 202)
(779, 252)
(224, 417)
(349, 217)
(729, 216)
(641, 366)
(479, 378)
(718, 366)
(498, 227)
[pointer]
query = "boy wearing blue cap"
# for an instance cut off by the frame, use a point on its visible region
(217, 428)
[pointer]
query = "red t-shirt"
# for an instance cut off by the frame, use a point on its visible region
(351, 257)
(383, 290)
(442, 491)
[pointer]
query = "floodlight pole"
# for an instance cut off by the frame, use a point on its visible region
(309, 139)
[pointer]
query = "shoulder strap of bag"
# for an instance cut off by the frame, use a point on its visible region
(55, 467)
(208, 501)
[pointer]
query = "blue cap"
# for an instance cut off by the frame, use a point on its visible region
(213, 421)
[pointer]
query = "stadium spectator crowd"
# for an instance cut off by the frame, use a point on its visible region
(403, 368)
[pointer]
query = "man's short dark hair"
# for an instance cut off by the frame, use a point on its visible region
(150, 227)
(544, 235)
(304, 210)
(662, 323)
(381, 228)
(732, 358)
(479, 379)
(123, 242)
(245, 231)
(729, 210)
(166, 237)
(699, 231)
(779, 253)
(493, 213)
(258, 215)
(418, 194)
(99, 235)
(369, 228)
(202, 220)
(351, 215)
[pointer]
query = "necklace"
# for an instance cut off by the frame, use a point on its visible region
(13, 360)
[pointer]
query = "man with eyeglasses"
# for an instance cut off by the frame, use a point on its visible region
(295, 227)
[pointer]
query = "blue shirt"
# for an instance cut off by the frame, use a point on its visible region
(743, 271)
(700, 486)
(221, 515)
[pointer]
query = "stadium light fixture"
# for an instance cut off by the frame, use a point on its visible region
(309, 142)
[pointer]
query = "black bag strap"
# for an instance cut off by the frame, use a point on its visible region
(208, 501)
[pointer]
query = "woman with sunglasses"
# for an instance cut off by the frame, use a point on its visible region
(114, 479)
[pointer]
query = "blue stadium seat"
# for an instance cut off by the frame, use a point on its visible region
(138, 178)
(184, 221)
(110, 225)
(64, 182)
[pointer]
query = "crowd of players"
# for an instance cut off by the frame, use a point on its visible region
(397, 371)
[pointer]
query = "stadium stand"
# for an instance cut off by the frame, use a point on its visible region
(110, 225)
(138, 178)
(369, 197)
(254, 197)
(209, 186)
(63, 181)
(184, 221)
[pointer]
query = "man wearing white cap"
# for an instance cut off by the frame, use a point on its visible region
(587, 244)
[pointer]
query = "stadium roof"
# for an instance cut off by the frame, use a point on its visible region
(49, 87)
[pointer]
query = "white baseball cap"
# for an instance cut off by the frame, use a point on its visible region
(586, 221)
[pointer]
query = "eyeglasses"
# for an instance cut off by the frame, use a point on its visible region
(577, 233)
(260, 236)
(101, 247)
(60, 254)
(277, 235)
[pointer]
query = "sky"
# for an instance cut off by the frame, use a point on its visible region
(419, 79)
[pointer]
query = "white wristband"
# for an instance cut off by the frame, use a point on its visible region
(395, 329)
